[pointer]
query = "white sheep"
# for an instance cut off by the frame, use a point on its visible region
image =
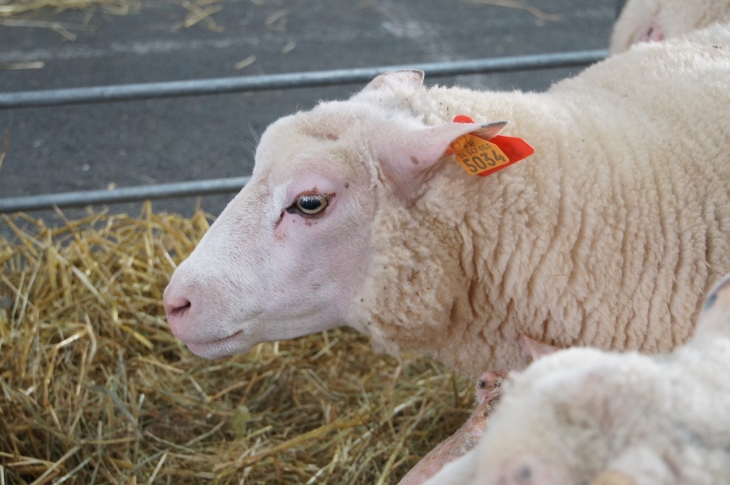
(488, 392)
(584, 416)
(357, 214)
(654, 20)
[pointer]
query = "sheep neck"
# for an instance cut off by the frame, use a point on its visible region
(559, 246)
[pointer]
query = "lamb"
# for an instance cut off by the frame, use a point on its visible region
(357, 214)
(584, 416)
(654, 20)
(488, 392)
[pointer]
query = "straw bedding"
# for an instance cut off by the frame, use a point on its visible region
(9, 8)
(95, 389)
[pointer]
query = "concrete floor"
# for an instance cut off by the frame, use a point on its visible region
(157, 141)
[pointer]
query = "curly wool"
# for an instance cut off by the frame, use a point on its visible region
(583, 416)
(604, 238)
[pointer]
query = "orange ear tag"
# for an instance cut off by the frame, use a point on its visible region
(478, 156)
(481, 157)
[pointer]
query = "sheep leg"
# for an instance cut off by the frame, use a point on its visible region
(488, 393)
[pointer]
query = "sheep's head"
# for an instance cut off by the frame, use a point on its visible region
(287, 253)
(568, 418)
(522, 451)
(291, 252)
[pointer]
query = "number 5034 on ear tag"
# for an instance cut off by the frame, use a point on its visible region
(478, 156)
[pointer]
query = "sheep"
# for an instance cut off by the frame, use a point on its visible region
(583, 416)
(466, 438)
(655, 20)
(357, 214)
(488, 392)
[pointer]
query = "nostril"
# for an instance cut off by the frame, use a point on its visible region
(179, 311)
(176, 307)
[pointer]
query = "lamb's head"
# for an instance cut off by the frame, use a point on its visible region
(567, 418)
(291, 252)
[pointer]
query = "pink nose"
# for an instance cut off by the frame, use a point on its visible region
(176, 306)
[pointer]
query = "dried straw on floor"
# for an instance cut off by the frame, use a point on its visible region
(198, 11)
(95, 389)
(115, 7)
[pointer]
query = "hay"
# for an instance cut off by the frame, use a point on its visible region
(197, 11)
(95, 389)
(515, 4)
(10, 8)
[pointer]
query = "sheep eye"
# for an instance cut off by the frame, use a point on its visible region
(312, 204)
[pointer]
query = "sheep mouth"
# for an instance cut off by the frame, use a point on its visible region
(223, 347)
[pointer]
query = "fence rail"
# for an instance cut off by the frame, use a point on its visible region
(101, 94)
(126, 194)
(127, 92)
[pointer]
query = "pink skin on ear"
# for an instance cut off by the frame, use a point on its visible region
(652, 34)
(406, 80)
(424, 148)
(410, 155)
(533, 348)
(410, 152)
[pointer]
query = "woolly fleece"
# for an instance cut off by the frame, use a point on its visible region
(604, 238)
(584, 416)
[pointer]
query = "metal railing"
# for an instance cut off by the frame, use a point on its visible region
(101, 94)
(125, 194)
(127, 92)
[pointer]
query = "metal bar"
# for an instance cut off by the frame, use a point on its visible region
(126, 92)
(229, 85)
(128, 194)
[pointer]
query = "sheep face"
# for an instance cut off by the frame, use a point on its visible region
(286, 256)
(565, 418)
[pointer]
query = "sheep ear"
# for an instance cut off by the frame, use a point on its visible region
(535, 349)
(653, 33)
(406, 80)
(430, 145)
(410, 155)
